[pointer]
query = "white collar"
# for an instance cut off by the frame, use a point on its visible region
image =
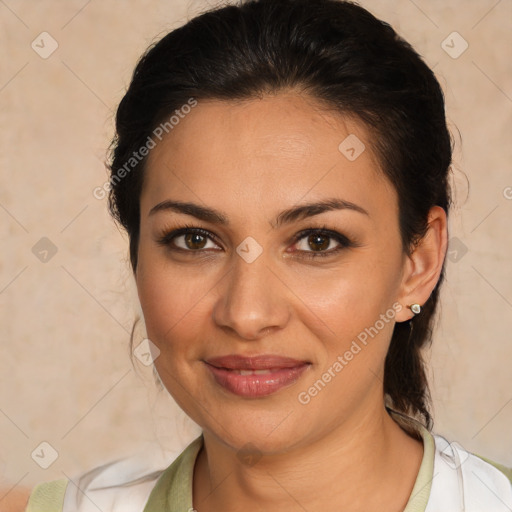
(462, 481)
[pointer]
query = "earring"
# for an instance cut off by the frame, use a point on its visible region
(415, 308)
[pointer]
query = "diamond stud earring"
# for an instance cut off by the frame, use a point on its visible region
(415, 308)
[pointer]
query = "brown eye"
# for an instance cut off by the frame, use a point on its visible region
(320, 242)
(191, 240)
(194, 241)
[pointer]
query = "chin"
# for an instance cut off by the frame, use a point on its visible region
(269, 430)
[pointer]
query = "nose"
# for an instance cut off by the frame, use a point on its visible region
(252, 300)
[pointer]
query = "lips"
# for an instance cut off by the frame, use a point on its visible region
(262, 362)
(255, 376)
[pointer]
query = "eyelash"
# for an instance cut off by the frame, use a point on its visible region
(167, 237)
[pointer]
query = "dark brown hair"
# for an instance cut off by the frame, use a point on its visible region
(338, 53)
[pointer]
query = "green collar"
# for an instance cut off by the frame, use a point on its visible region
(173, 491)
(422, 486)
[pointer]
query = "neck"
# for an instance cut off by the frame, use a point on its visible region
(367, 463)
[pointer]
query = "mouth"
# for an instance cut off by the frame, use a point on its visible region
(257, 376)
(256, 363)
(252, 372)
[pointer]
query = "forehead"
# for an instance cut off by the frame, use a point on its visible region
(278, 148)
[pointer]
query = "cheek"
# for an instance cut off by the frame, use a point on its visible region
(173, 303)
(357, 305)
(357, 333)
(172, 300)
(352, 296)
(357, 316)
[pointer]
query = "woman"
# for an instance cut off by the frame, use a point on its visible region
(281, 168)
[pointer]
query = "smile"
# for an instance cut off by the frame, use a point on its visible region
(254, 377)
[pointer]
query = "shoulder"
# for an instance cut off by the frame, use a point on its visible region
(47, 497)
(13, 499)
(119, 486)
(464, 481)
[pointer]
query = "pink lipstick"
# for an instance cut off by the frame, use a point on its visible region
(255, 376)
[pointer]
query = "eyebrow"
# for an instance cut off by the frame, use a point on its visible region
(285, 217)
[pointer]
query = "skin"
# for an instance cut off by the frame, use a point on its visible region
(13, 500)
(251, 160)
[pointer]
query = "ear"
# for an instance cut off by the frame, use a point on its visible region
(423, 267)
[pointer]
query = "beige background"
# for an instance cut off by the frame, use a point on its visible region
(66, 376)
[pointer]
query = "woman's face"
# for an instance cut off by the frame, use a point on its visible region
(254, 284)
